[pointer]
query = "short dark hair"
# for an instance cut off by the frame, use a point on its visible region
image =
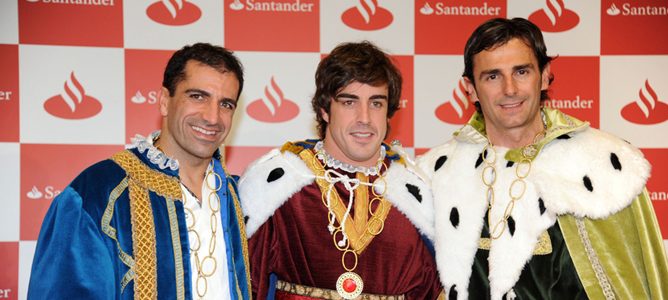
(216, 57)
(497, 32)
(362, 62)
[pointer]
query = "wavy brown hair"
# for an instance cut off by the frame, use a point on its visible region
(348, 62)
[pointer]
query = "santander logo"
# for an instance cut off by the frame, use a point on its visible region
(612, 10)
(174, 12)
(555, 17)
(426, 9)
(35, 193)
(367, 15)
(236, 5)
(647, 109)
(73, 104)
(273, 107)
(457, 110)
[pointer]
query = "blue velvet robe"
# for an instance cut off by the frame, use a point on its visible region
(89, 247)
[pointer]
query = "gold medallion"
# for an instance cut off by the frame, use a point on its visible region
(349, 285)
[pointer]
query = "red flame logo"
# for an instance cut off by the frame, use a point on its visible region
(173, 12)
(73, 104)
(457, 110)
(647, 109)
(367, 15)
(274, 107)
(555, 17)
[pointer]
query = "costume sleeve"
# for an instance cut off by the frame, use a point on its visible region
(653, 253)
(261, 259)
(71, 260)
(629, 248)
(430, 286)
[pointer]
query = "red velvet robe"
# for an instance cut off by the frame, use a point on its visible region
(296, 245)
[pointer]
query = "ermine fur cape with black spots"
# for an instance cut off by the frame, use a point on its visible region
(272, 179)
(578, 171)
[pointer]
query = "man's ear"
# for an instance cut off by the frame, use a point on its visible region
(325, 115)
(164, 101)
(470, 89)
(545, 78)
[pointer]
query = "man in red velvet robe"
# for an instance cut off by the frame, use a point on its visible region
(346, 216)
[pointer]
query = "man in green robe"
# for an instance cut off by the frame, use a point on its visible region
(531, 203)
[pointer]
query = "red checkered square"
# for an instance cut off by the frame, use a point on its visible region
(442, 27)
(401, 124)
(71, 23)
(9, 260)
(9, 93)
(143, 85)
(657, 186)
(272, 25)
(39, 184)
(575, 90)
(634, 27)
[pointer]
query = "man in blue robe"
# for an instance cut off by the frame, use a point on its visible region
(160, 220)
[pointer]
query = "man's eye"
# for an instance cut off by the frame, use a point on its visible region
(229, 105)
(197, 96)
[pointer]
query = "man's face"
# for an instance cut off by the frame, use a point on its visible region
(357, 123)
(197, 118)
(508, 84)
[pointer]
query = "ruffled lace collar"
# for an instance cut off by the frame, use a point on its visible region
(145, 146)
(332, 162)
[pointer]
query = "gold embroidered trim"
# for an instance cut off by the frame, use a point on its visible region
(110, 231)
(602, 278)
(360, 232)
(143, 242)
(319, 293)
(242, 230)
(176, 246)
(543, 246)
(143, 179)
(127, 277)
(162, 184)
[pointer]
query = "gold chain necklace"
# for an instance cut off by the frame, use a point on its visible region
(517, 187)
(349, 285)
(213, 200)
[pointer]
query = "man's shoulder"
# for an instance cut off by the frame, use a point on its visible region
(271, 180)
(590, 173)
(90, 189)
(101, 173)
(435, 158)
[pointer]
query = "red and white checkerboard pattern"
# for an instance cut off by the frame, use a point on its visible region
(81, 77)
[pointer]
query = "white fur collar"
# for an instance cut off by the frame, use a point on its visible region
(411, 195)
(262, 190)
(616, 173)
(267, 183)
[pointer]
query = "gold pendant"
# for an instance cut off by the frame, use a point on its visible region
(349, 285)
